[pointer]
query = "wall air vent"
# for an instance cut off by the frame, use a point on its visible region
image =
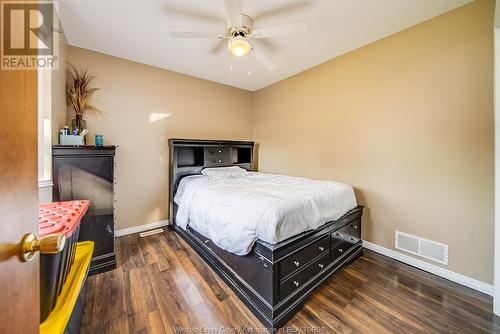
(428, 249)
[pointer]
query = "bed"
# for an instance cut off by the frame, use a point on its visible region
(272, 238)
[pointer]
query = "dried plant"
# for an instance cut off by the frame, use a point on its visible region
(78, 90)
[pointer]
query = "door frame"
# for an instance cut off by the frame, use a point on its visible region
(496, 94)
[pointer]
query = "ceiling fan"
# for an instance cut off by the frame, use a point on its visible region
(240, 33)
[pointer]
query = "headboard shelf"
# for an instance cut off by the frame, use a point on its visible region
(190, 156)
(241, 154)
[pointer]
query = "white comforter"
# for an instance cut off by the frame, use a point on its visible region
(234, 212)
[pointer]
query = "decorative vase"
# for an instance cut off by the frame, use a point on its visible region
(78, 123)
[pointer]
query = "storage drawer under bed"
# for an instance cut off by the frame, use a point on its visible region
(350, 233)
(296, 281)
(300, 258)
(339, 249)
(206, 241)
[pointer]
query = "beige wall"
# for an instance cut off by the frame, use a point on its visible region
(408, 121)
(134, 97)
(58, 84)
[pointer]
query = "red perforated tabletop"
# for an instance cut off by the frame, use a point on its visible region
(60, 217)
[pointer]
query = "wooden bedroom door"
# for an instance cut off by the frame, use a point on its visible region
(19, 281)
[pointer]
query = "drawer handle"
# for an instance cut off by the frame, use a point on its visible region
(352, 239)
(321, 248)
(264, 263)
(296, 263)
(207, 241)
(220, 160)
(341, 250)
(339, 235)
(220, 151)
(296, 283)
(320, 266)
(355, 226)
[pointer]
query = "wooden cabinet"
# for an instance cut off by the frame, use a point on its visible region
(87, 172)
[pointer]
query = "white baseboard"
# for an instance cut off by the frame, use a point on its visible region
(140, 228)
(429, 267)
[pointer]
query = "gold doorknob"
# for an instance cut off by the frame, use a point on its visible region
(50, 244)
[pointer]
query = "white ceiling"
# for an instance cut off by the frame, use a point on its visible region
(138, 30)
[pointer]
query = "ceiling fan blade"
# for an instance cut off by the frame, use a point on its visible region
(233, 8)
(264, 60)
(173, 9)
(281, 30)
(194, 34)
(283, 10)
(219, 46)
(268, 44)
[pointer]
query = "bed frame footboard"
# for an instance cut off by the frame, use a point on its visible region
(273, 281)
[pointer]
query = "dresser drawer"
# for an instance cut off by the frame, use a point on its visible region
(217, 156)
(299, 259)
(216, 151)
(350, 233)
(216, 161)
(301, 278)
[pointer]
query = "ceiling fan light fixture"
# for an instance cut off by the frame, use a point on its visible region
(239, 46)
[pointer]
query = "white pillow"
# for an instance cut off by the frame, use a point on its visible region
(224, 172)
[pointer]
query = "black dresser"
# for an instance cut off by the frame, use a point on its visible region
(87, 172)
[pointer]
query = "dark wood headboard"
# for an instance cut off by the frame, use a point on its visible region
(190, 156)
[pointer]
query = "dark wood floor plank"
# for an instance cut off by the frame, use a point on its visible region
(356, 320)
(149, 254)
(156, 242)
(155, 323)
(173, 306)
(89, 305)
(452, 289)
(118, 321)
(131, 252)
(101, 303)
(315, 310)
(142, 300)
(352, 281)
(162, 286)
(417, 294)
(204, 272)
(434, 317)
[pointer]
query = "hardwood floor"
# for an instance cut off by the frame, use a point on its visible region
(162, 285)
